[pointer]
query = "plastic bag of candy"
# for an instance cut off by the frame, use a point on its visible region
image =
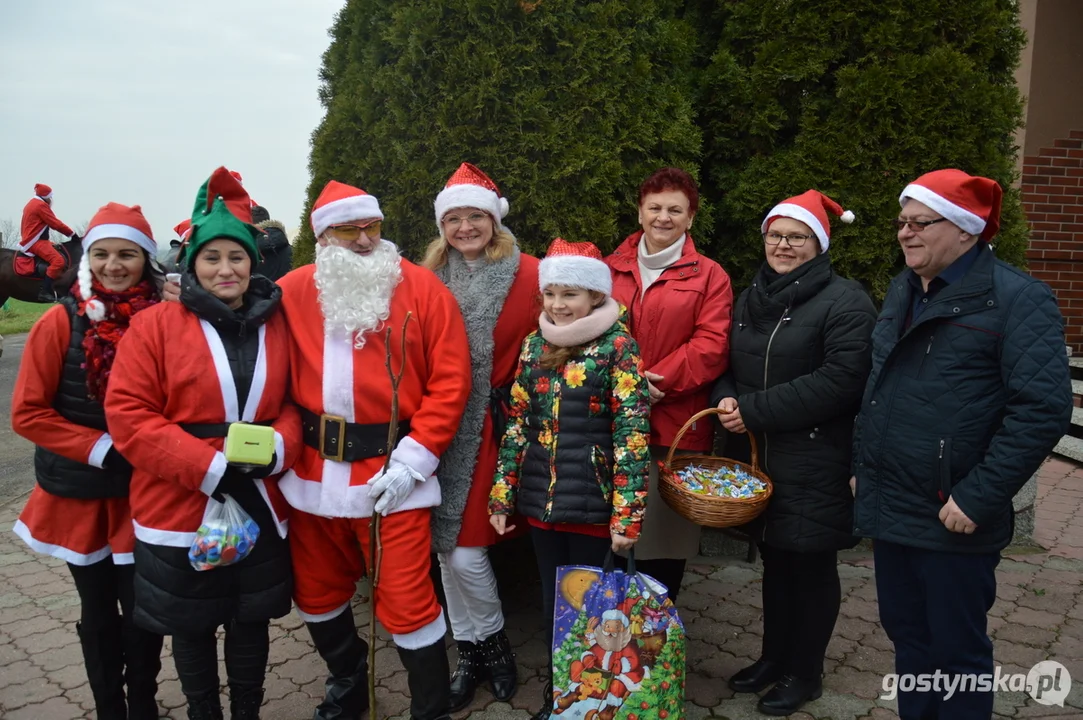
(226, 536)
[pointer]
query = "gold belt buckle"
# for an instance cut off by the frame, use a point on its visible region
(338, 439)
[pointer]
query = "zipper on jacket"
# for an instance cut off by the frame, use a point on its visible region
(921, 364)
(766, 361)
(944, 472)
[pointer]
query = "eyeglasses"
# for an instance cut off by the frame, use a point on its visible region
(795, 241)
(475, 219)
(915, 226)
(352, 233)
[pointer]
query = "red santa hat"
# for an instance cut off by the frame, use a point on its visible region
(340, 203)
(810, 207)
(469, 187)
(43, 191)
(968, 201)
(183, 229)
(575, 265)
(112, 221)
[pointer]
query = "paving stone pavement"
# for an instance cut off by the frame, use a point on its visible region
(1038, 615)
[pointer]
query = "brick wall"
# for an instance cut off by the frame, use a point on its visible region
(1053, 201)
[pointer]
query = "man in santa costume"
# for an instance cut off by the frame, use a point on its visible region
(38, 219)
(340, 311)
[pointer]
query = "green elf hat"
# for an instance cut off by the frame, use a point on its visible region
(223, 210)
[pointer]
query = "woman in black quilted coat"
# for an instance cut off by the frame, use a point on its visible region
(799, 356)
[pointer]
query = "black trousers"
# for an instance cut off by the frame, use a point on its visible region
(246, 649)
(801, 598)
(554, 548)
(934, 607)
(117, 653)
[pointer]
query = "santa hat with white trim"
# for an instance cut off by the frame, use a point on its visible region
(43, 191)
(469, 187)
(968, 201)
(810, 207)
(340, 203)
(112, 221)
(577, 265)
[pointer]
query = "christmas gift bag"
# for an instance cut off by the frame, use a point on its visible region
(618, 646)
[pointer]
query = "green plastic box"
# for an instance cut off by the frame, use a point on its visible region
(250, 444)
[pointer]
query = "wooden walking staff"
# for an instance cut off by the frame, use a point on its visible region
(375, 549)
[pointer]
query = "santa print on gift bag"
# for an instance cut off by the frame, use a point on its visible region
(618, 647)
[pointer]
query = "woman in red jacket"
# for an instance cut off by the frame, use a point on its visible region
(497, 289)
(78, 511)
(679, 304)
(185, 371)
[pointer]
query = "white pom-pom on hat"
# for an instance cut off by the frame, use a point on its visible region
(94, 308)
(848, 217)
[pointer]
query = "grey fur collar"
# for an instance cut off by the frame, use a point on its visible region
(481, 294)
(271, 223)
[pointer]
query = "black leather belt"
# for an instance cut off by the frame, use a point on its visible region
(205, 431)
(344, 441)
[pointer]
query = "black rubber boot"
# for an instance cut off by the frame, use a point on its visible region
(103, 654)
(346, 655)
(244, 703)
(46, 293)
(427, 677)
(500, 666)
(547, 702)
(206, 707)
(464, 681)
(142, 661)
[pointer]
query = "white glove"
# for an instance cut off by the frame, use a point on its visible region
(390, 489)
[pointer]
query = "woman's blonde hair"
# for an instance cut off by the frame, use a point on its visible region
(499, 248)
(552, 356)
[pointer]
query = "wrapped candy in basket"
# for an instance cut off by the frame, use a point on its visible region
(713, 491)
(226, 536)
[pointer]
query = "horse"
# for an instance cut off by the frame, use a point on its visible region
(26, 289)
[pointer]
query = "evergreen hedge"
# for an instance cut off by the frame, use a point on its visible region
(569, 104)
(566, 104)
(856, 98)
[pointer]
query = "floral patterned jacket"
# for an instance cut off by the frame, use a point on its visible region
(575, 448)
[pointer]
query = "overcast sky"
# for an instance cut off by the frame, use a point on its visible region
(137, 101)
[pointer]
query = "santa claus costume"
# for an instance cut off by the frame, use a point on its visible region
(38, 220)
(78, 511)
(184, 373)
(496, 286)
(340, 311)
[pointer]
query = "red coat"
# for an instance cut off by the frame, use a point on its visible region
(518, 318)
(78, 531)
(37, 216)
(432, 392)
(682, 326)
(172, 368)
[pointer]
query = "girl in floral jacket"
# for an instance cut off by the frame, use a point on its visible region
(574, 457)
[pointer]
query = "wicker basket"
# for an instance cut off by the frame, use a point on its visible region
(709, 510)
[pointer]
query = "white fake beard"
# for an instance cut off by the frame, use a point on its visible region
(355, 290)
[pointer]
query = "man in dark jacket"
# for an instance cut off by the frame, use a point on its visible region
(274, 247)
(968, 394)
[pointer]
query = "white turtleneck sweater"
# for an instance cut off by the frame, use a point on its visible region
(651, 267)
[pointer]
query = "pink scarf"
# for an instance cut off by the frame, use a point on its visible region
(581, 331)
